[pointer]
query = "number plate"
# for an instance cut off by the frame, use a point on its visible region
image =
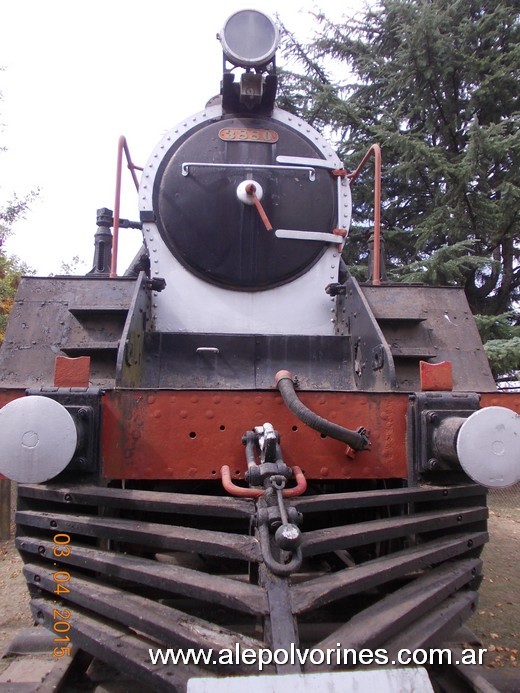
(248, 135)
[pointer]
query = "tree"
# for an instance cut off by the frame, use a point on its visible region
(436, 83)
(11, 269)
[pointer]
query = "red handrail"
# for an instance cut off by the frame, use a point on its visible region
(241, 492)
(375, 151)
(122, 146)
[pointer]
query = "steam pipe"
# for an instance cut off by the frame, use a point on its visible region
(356, 440)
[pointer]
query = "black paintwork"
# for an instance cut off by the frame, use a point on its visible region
(221, 239)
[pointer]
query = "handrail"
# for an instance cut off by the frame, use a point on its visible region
(375, 151)
(122, 146)
(232, 488)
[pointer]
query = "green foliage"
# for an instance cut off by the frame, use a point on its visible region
(11, 269)
(445, 266)
(73, 266)
(497, 326)
(435, 83)
(501, 337)
(14, 209)
(504, 357)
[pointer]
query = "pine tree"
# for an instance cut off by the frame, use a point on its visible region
(436, 84)
(11, 268)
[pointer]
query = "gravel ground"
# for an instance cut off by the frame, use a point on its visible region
(497, 621)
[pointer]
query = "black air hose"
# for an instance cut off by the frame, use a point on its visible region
(356, 440)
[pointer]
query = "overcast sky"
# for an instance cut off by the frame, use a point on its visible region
(78, 75)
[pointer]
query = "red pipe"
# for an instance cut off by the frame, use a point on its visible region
(234, 490)
(251, 191)
(375, 151)
(301, 484)
(122, 146)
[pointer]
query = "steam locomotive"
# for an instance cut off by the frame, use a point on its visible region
(236, 443)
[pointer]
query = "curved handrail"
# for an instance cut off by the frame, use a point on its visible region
(241, 492)
(375, 151)
(122, 146)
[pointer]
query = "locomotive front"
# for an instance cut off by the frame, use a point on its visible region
(235, 446)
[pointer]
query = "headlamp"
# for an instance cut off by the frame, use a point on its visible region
(249, 38)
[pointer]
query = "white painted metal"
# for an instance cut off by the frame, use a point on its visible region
(244, 196)
(306, 161)
(38, 438)
(401, 680)
(488, 447)
(189, 304)
(308, 236)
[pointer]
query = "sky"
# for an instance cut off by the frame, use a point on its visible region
(75, 77)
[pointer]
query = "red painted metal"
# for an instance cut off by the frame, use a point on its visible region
(240, 491)
(7, 396)
(166, 434)
(72, 372)
(436, 377)
(251, 191)
(510, 400)
(122, 147)
(233, 489)
(375, 151)
(301, 484)
(342, 233)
